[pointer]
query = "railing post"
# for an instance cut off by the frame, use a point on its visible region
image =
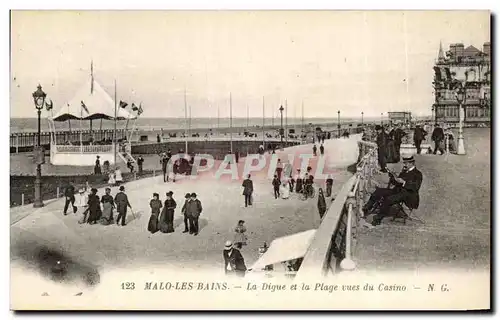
(347, 263)
(135, 175)
(57, 192)
(17, 143)
(22, 199)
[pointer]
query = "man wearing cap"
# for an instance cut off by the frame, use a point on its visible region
(193, 209)
(418, 136)
(121, 201)
(247, 191)
(184, 212)
(406, 187)
(438, 137)
(69, 193)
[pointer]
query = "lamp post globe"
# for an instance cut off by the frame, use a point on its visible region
(39, 154)
(460, 95)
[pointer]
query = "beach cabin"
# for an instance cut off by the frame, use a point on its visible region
(283, 257)
(90, 103)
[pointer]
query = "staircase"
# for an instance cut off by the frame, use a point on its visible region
(126, 154)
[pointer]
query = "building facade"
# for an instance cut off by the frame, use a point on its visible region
(400, 117)
(472, 67)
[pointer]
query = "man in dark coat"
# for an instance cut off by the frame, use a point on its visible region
(321, 149)
(279, 169)
(276, 186)
(140, 162)
(234, 263)
(185, 213)
(397, 136)
(194, 210)
(122, 203)
(407, 185)
(69, 194)
(418, 136)
(329, 184)
(438, 138)
(314, 150)
(247, 191)
(381, 147)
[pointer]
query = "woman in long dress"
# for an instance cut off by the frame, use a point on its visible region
(94, 207)
(284, 190)
(82, 202)
(166, 224)
(118, 176)
(107, 208)
(155, 205)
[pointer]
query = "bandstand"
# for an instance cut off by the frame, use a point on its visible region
(90, 103)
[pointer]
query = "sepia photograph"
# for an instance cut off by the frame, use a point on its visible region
(250, 160)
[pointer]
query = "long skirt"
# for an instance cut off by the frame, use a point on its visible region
(166, 224)
(107, 214)
(298, 186)
(153, 223)
(94, 215)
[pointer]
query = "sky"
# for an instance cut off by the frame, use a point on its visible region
(348, 61)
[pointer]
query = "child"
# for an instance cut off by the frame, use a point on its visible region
(155, 205)
(240, 238)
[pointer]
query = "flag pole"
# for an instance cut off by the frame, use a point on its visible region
(218, 117)
(185, 121)
(263, 122)
(286, 121)
(114, 130)
(302, 124)
(231, 121)
(247, 118)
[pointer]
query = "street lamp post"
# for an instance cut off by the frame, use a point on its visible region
(338, 123)
(39, 154)
(362, 113)
(382, 118)
(461, 96)
(282, 131)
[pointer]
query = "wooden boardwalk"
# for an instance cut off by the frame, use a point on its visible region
(455, 203)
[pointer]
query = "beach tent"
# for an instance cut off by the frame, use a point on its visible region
(286, 248)
(92, 102)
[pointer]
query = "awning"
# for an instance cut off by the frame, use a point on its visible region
(286, 248)
(87, 105)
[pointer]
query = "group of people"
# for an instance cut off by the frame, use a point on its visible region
(164, 221)
(95, 209)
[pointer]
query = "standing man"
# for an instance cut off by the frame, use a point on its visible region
(185, 213)
(158, 138)
(194, 210)
(121, 201)
(397, 135)
(140, 161)
(418, 136)
(247, 191)
(164, 164)
(321, 149)
(381, 147)
(276, 186)
(279, 169)
(69, 193)
(314, 150)
(329, 184)
(438, 138)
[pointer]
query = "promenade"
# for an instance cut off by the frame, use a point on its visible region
(109, 247)
(455, 204)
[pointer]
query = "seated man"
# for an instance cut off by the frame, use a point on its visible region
(405, 190)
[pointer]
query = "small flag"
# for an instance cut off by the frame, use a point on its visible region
(49, 106)
(85, 108)
(123, 104)
(134, 107)
(140, 110)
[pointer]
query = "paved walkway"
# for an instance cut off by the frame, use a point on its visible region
(455, 205)
(133, 246)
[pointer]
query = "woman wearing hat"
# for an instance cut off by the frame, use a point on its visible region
(166, 224)
(233, 260)
(94, 207)
(82, 202)
(155, 205)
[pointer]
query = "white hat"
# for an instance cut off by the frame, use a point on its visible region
(228, 245)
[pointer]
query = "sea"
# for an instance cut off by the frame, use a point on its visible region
(18, 125)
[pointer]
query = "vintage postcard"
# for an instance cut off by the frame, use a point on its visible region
(250, 160)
